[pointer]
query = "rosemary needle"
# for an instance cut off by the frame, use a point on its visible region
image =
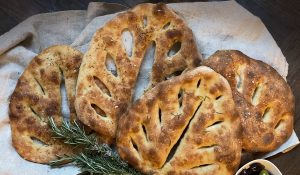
(96, 158)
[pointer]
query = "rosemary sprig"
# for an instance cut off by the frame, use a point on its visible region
(96, 158)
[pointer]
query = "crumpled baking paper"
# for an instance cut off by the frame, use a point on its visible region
(216, 25)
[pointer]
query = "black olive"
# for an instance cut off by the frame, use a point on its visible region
(256, 168)
(244, 172)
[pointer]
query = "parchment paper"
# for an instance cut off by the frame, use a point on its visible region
(216, 25)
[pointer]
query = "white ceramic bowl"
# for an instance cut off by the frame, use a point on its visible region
(268, 166)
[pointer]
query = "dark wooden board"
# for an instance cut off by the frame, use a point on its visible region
(282, 18)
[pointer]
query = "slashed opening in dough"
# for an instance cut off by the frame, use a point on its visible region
(174, 74)
(182, 136)
(256, 94)
(160, 116)
(135, 146)
(240, 78)
(175, 147)
(38, 141)
(128, 42)
(145, 131)
(280, 125)
(144, 75)
(65, 108)
(198, 83)
(101, 86)
(266, 117)
(111, 65)
(36, 114)
(218, 97)
(211, 146)
(167, 25)
(40, 86)
(205, 168)
(98, 110)
(214, 125)
(145, 21)
(180, 97)
(174, 49)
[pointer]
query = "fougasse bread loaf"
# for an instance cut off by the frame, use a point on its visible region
(103, 93)
(185, 125)
(38, 96)
(263, 99)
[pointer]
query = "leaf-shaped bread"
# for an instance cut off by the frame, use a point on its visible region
(38, 96)
(263, 99)
(109, 70)
(186, 125)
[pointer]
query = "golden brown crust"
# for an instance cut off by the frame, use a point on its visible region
(196, 111)
(99, 107)
(263, 99)
(37, 97)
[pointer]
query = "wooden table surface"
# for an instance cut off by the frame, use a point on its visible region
(281, 17)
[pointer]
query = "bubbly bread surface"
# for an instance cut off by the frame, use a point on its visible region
(37, 96)
(263, 99)
(185, 125)
(110, 68)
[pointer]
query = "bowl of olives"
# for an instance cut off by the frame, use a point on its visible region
(259, 167)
